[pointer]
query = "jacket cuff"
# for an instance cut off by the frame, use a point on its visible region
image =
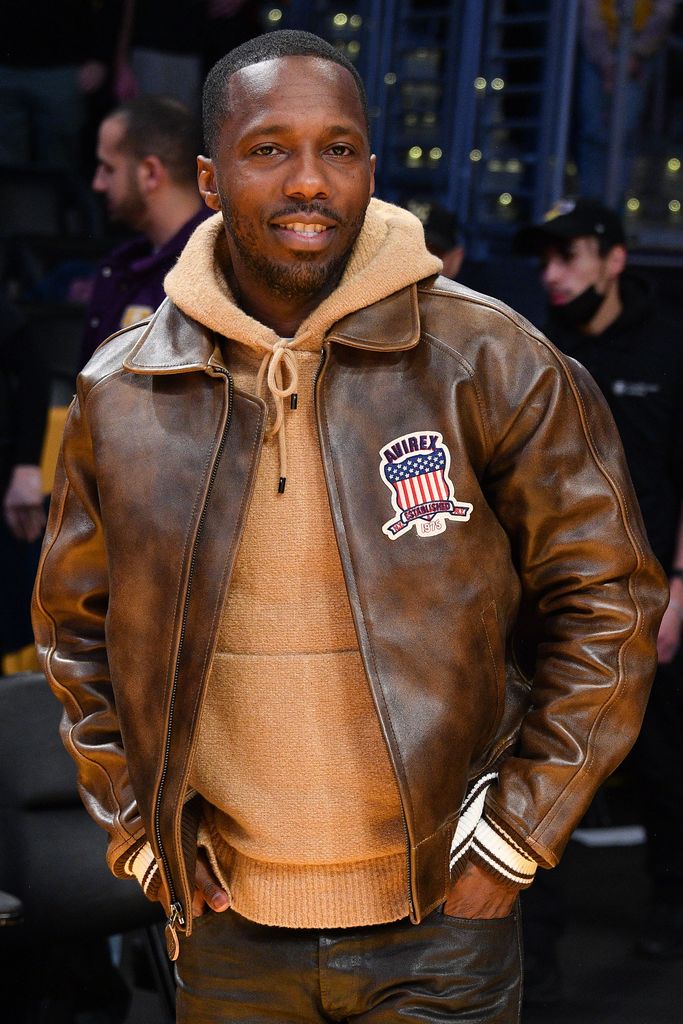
(142, 865)
(497, 852)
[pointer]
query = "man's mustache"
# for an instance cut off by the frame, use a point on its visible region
(308, 209)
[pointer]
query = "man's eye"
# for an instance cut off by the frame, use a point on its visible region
(340, 149)
(264, 150)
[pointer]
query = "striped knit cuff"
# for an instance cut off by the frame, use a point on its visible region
(470, 815)
(142, 865)
(498, 852)
(479, 838)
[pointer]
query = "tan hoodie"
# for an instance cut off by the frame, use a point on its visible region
(302, 813)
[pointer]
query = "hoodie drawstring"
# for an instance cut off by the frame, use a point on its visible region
(274, 360)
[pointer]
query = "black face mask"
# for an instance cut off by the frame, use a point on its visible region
(580, 310)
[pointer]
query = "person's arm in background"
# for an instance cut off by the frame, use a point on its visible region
(652, 36)
(124, 85)
(669, 638)
(28, 390)
(595, 37)
(671, 629)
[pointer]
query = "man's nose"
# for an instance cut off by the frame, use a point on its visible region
(306, 177)
(97, 183)
(549, 274)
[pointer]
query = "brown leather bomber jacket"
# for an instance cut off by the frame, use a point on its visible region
(523, 637)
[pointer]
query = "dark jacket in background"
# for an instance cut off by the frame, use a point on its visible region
(638, 364)
(130, 284)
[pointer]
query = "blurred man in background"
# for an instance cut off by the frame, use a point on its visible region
(146, 173)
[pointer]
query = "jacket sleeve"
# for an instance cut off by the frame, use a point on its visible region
(69, 618)
(592, 597)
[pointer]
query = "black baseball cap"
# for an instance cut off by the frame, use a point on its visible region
(572, 218)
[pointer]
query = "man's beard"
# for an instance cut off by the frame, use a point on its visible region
(131, 209)
(304, 276)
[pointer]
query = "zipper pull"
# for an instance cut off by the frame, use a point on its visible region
(172, 942)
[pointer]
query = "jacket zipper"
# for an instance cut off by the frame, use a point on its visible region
(404, 821)
(176, 917)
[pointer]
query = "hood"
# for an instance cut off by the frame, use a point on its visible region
(389, 254)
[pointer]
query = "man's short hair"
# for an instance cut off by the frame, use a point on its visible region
(282, 43)
(163, 127)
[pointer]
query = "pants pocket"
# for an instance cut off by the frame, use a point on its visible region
(478, 962)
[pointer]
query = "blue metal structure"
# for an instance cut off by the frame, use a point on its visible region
(470, 100)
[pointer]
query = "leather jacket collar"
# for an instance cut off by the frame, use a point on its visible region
(167, 346)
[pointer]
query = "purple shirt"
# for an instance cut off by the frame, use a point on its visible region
(130, 284)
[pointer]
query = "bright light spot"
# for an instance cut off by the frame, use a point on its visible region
(674, 164)
(353, 49)
(496, 166)
(435, 153)
(497, 84)
(505, 199)
(340, 20)
(514, 166)
(390, 78)
(430, 117)
(355, 21)
(475, 155)
(480, 83)
(411, 120)
(675, 206)
(274, 14)
(415, 152)
(633, 204)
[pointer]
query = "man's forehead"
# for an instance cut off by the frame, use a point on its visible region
(112, 131)
(573, 244)
(280, 80)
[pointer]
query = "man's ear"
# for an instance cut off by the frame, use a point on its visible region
(616, 260)
(373, 160)
(151, 173)
(206, 181)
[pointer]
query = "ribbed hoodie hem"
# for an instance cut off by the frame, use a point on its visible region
(343, 895)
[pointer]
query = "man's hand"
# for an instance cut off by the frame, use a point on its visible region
(23, 504)
(478, 894)
(669, 636)
(207, 891)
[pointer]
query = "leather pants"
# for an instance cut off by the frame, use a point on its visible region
(444, 969)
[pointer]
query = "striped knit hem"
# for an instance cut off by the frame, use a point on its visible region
(479, 838)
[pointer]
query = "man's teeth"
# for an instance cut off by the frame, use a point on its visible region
(306, 229)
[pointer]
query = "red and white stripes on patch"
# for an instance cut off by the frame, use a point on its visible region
(418, 490)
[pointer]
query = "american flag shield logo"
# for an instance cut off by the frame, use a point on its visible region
(415, 467)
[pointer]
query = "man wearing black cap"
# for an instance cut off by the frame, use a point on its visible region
(608, 318)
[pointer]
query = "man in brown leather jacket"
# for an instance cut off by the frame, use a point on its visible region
(345, 590)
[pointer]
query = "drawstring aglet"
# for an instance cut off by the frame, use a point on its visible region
(281, 485)
(293, 401)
